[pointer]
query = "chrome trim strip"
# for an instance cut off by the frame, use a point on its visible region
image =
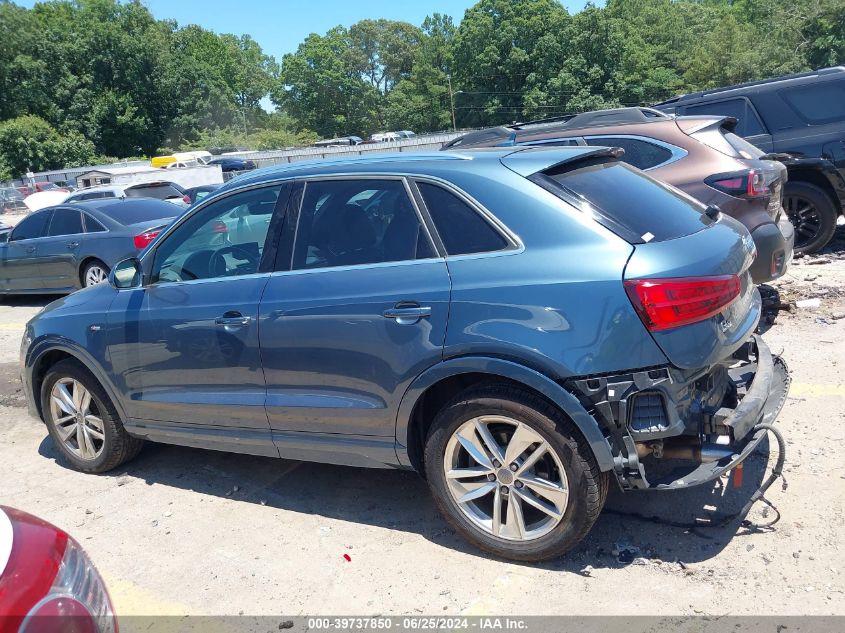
(677, 152)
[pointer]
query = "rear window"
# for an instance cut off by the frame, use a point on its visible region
(638, 152)
(160, 192)
(727, 143)
(818, 103)
(127, 214)
(747, 122)
(631, 204)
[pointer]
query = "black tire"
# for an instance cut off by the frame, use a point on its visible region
(118, 446)
(89, 266)
(812, 213)
(587, 484)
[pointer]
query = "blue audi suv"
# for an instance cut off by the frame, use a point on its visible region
(522, 326)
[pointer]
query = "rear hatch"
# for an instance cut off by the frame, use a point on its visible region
(688, 275)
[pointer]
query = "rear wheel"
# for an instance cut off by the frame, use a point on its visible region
(812, 213)
(95, 272)
(82, 421)
(512, 474)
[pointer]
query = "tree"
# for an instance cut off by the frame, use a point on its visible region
(30, 143)
(321, 86)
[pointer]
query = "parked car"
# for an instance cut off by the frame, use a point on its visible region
(160, 190)
(47, 581)
(385, 137)
(230, 163)
(74, 245)
(521, 325)
(699, 155)
(802, 115)
(406, 134)
(11, 200)
(198, 193)
(339, 142)
(49, 186)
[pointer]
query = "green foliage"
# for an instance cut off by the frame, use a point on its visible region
(29, 143)
(85, 76)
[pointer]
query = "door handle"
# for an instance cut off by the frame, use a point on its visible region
(30, 249)
(233, 319)
(72, 245)
(407, 314)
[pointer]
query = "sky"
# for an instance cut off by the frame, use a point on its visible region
(280, 25)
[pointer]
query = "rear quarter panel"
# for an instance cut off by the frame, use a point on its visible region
(556, 303)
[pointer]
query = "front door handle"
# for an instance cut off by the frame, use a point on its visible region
(72, 245)
(235, 319)
(30, 250)
(407, 314)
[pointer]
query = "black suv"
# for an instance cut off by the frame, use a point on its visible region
(802, 115)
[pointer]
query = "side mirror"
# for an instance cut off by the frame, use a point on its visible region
(126, 274)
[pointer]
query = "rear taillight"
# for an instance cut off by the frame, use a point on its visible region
(143, 240)
(664, 304)
(186, 199)
(77, 601)
(744, 184)
(219, 226)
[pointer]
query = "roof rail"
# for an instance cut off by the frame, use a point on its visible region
(832, 70)
(613, 116)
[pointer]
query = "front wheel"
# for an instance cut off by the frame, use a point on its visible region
(512, 474)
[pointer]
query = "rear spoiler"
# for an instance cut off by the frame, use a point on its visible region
(693, 124)
(536, 160)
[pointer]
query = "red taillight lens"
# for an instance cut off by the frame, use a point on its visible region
(219, 226)
(664, 304)
(186, 199)
(756, 184)
(143, 240)
(744, 184)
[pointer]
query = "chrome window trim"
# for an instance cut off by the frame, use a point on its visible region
(677, 152)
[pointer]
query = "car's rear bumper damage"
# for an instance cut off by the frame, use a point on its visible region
(670, 429)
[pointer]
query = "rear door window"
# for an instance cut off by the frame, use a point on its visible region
(817, 103)
(638, 152)
(747, 122)
(92, 225)
(633, 205)
(65, 222)
(461, 228)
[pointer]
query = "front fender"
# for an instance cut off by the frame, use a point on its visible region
(496, 367)
(47, 344)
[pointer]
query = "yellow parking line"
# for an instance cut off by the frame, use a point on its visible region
(803, 390)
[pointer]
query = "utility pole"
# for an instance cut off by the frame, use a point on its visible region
(452, 102)
(246, 136)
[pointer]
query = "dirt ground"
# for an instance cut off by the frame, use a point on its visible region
(186, 531)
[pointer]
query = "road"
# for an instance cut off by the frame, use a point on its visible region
(186, 531)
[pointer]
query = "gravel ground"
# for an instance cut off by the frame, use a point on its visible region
(186, 531)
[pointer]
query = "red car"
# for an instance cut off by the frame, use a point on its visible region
(47, 582)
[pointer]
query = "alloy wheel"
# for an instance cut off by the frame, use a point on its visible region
(506, 478)
(76, 418)
(805, 219)
(95, 275)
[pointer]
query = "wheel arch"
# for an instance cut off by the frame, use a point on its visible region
(47, 353)
(440, 383)
(87, 259)
(815, 177)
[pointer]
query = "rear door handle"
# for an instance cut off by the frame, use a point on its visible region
(407, 314)
(233, 319)
(72, 245)
(30, 249)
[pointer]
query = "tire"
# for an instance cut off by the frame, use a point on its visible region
(94, 273)
(528, 534)
(812, 213)
(97, 447)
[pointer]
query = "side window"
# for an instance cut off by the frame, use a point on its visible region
(65, 222)
(748, 123)
(349, 222)
(92, 225)
(461, 228)
(639, 153)
(225, 239)
(818, 103)
(31, 227)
